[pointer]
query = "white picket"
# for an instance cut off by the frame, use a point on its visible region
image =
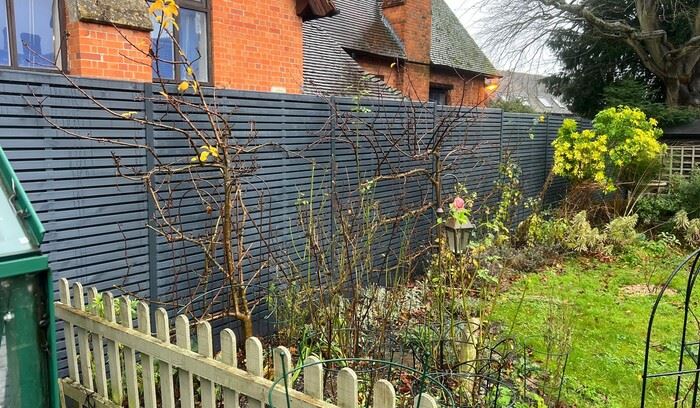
(113, 356)
(425, 401)
(143, 316)
(83, 340)
(206, 349)
(229, 357)
(158, 350)
(167, 388)
(182, 338)
(313, 377)
(130, 373)
(98, 349)
(384, 395)
(254, 364)
(282, 361)
(347, 388)
(69, 331)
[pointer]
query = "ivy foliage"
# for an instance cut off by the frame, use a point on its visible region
(622, 139)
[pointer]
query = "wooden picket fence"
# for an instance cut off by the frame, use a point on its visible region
(96, 378)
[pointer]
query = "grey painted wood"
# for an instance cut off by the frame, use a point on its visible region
(96, 221)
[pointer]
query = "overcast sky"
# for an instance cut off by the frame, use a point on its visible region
(475, 19)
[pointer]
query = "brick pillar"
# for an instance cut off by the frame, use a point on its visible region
(257, 45)
(412, 22)
(95, 48)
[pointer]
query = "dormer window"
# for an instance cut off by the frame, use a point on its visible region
(29, 33)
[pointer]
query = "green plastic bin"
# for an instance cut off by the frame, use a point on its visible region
(28, 375)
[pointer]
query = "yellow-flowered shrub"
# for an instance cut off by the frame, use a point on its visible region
(621, 138)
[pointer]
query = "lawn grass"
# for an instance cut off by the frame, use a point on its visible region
(608, 326)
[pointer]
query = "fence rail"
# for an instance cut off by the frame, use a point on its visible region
(108, 331)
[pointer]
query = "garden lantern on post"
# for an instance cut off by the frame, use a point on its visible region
(458, 229)
(458, 235)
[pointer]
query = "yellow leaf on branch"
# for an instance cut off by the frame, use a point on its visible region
(184, 85)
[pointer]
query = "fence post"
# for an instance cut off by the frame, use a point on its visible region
(334, 124)
(437, 170)
(150, 206)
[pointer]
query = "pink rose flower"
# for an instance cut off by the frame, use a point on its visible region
(458, 203)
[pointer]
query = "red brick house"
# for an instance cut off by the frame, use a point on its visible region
(246, 45)
(416, 47)
(378, 47)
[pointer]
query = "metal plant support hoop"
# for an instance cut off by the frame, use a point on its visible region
(688, 347)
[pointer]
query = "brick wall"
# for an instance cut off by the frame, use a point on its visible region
(257, 46)
(412, 22)
(465, 88)
(102, 51)
(385, 68)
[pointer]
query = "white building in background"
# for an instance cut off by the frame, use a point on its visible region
(531, 91)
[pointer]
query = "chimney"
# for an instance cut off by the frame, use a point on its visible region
(412, 22)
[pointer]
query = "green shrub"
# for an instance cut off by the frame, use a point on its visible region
(657, 209)
(584, 238)
(621, 231)
(623, 140)
(545, 232)
(684, 194)
(688, 229)
(687, 191)
(692, 234)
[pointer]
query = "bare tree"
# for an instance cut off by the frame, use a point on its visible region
(648, 32)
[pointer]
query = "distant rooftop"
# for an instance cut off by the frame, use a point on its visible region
(531, 91)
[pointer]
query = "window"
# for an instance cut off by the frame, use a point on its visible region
(545, 102)
(438, 95)
(192, 38)
(29, 33)
(560, 103)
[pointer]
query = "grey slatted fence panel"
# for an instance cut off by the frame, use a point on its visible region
(93, 218)
(378, 135)
(525, 137)
(473, 146)
(298, 125)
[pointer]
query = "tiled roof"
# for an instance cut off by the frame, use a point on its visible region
(329, 70)
(360, 26)
(452, 46)
(530, 90)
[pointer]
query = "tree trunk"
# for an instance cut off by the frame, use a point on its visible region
(673, 90)
(694, 87)
(247, 322)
